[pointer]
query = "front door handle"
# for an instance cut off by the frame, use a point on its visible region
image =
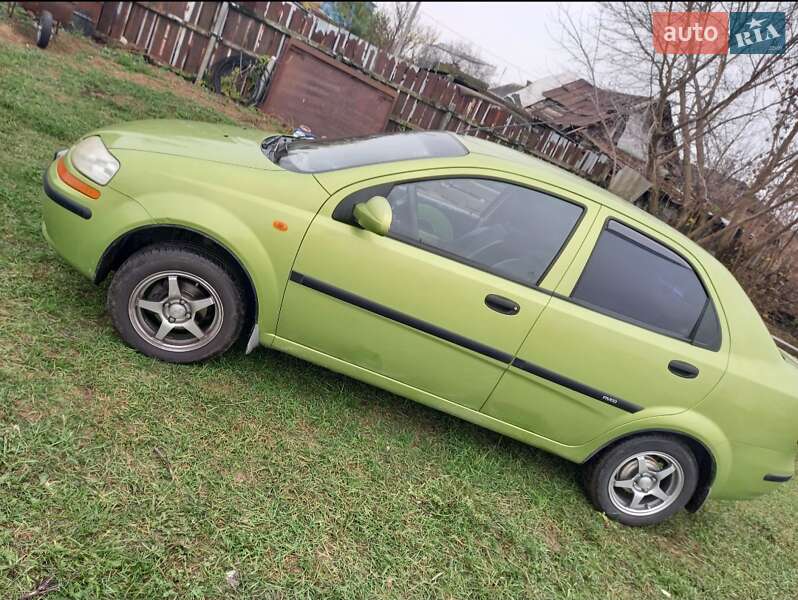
(501, 304)
(683, 369)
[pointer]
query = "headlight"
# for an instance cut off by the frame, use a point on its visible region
(92, 159)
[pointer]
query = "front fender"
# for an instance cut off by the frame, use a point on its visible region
(81, 241)
(231, 232)
(259, 216)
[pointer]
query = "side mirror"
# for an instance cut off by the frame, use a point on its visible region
(374, 215)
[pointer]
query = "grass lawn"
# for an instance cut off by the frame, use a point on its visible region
(124, 477)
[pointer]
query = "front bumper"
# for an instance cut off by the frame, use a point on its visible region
(80, 228)
(64, 201)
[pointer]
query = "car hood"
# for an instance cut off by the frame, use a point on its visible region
(191, 139)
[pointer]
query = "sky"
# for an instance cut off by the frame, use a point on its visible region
(520, 38)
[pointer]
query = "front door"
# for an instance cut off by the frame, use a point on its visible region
(442, 302)
(633, 327)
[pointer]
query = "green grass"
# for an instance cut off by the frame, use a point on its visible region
(128, 478)
(134, 63)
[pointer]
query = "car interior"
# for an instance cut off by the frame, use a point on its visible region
(508, 229)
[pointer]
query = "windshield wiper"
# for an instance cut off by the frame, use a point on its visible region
(276, 147)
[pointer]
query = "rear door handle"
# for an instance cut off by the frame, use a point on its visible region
(683, 369)
(501, 304)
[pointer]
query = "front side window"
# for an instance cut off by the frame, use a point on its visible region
(635, 278)
(506, 229)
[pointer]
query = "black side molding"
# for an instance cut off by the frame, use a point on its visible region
(459, 340)
(777, 478)
(83, 212)
(400, 317)
(576, 386)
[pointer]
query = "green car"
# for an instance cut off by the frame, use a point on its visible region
(449, 270)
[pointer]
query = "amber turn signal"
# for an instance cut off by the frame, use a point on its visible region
(73, 182)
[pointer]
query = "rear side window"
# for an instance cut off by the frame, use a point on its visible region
(310, 156)
(637, 279)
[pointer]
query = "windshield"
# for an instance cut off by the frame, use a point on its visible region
(317, 156)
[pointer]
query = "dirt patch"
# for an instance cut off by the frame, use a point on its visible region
(241, 477)
(551, 536)
(28, 413)
(16, 34)
(100, 407)
(20, 31)
(168, 81)
(291, 564)
(164, 80)
(678, 548)
(306, 434)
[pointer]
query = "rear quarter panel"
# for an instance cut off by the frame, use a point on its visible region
(756, 403)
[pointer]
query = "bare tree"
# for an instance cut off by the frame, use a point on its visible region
(722, 136)
(462, 55)
(396, 30)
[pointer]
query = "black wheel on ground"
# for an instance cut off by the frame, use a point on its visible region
(643, 480)
(178, 303)
(240, 77)
(44, 29)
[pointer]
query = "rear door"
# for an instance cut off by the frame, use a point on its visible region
(632, 331)
(442, 302)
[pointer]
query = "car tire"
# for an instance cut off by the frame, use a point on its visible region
(44, 29)
(643, 480)
(177, 303)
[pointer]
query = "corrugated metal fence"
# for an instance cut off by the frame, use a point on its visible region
(190, 36)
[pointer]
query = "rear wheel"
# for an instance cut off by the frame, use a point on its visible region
(642, 480)
(176, 303)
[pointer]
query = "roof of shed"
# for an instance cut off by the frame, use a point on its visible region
(579, 104)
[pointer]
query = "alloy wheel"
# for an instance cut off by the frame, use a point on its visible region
(646, 483)
(176, 311)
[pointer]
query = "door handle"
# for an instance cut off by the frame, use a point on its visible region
(501, 304)
(683, 369)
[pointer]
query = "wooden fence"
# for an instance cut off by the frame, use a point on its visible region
(190, 36)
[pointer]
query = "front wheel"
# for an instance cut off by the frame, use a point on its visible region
(176, 303)
(642, 480)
